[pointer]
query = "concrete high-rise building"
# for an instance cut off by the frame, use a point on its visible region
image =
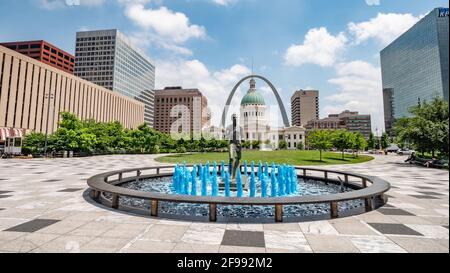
(351, 121)
(108, 58)
(304, 107)
(415, 66)
(179, 110)
(44, 52)
(33, 94)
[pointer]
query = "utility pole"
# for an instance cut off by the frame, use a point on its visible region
(49, 97)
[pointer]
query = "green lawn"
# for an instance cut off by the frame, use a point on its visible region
(295, 157)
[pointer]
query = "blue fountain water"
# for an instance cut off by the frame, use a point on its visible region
(283, 180)
(240, 190)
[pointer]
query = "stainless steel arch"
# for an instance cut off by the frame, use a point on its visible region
(274, 90)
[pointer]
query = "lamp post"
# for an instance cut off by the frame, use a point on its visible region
(49, 97)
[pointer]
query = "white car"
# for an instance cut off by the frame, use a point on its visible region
(405, 152)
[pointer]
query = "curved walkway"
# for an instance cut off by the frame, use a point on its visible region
(43, 208)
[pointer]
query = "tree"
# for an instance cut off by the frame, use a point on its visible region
(385, 141)
(70, 121)
(320, 140)
(359, 143)
(33, 143)
(427, 128)
(282, 145)
(300, 146)
(371, 143)
(342, 140)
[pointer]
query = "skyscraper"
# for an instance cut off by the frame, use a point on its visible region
(108, 58)
(415, 66)
(304, 107)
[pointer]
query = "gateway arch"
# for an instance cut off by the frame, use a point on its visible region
(274, 90)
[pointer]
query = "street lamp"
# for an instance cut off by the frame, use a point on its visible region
(379, 139)
(50, 97)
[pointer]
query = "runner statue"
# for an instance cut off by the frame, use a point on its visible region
(235, 150)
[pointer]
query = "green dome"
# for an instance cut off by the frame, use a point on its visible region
(253, 97)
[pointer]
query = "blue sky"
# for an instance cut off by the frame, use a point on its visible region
(332, 46)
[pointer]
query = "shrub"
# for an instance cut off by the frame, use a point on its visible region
(181, 150)
(282, 145)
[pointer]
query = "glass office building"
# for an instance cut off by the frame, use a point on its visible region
(108, 58)
(415, 66)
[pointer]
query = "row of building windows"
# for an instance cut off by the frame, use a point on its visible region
(92, 49)
(96, 38)
(94, 43)
(79, 57)
(174, 100)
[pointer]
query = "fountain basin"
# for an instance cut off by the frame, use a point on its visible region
(107, 188)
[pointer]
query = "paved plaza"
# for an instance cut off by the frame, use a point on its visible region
(44, 208)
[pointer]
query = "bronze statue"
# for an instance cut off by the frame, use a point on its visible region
(234, 151)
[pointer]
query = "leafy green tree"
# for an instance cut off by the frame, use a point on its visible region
(300, 146)
(212, 144)
(320, 140)
(70, 121)
(427, 129)
(65, 140)
(359, 143)
(282, 145)
(385, 141)
(371, 143)
(98, 137)
(342, 140)
(86, 141)
(33, 143)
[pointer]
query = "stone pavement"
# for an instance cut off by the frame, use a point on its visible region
(43, 209)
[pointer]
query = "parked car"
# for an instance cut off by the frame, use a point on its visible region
(405, 152)
(393, 148)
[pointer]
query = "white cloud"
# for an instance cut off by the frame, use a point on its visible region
(319, 47)
(223, 2)
(373, 2)
(162, 27)
(159, 27)
(50, 4)
(143, 39)
(384, 28)
(360, 88)
(170, 25)
(215, 85)
(57, 4)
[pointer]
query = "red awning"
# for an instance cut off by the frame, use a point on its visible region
(11, 132)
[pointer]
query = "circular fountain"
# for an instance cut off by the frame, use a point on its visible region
(261, 191)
